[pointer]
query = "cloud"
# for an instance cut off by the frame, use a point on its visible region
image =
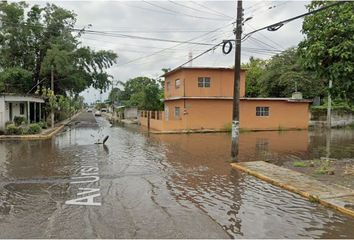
(181, 21)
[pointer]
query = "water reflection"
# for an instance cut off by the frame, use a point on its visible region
(244, 206)
(192, 170)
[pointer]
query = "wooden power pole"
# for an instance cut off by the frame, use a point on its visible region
(237, 75)
(52, 88)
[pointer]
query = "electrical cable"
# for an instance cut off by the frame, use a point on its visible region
(276, 26)
(195, 9)
(182, 14)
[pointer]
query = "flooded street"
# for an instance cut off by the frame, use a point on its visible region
(159, 186)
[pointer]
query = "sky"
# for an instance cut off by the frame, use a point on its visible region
(200, 22)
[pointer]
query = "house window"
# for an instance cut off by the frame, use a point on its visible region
(178, 83)
(262, 111)
(22, 108)
(177, 112)
(168, 85)
(204, 82)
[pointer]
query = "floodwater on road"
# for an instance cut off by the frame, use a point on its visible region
(159, 186)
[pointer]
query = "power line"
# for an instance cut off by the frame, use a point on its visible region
(182, 14)
(94, 32)
(210, 11)
(260, 43)
(164, 12)
(192, 39)
(198, 10)
(264, 36)
(201, 54)
(276, 26)
(271, 27)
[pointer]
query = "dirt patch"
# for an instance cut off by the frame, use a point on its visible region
(334, 171)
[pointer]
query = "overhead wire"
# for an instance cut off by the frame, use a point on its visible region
(276, 26)
(199, 10)
(182, 14)
(95, 32)
(179, 44)
(272, 27)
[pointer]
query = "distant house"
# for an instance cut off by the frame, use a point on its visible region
(200, 98)
(12, 105)
(129, 113)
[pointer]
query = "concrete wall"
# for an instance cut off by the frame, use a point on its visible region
(221, 83)
(338, 118)
(130, 113)
(2, 112)
(217, 115)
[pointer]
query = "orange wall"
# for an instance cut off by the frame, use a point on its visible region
(217, 114)
(221, 83)
(282, 114)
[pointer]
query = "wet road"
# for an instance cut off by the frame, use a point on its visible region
(157, 186)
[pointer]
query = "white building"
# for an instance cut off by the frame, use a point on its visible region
(12, 105)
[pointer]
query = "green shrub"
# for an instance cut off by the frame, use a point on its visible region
(2, 132)
(43, 125)
(8, 123)
(299, 164)
(18, 120)
(227, 127)
(33, 128)
(12, 129)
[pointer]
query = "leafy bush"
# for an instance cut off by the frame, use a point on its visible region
(43, 125)
(8, 123)
(2, 132)
(12, 129)
(299, 164)
(18, 120)
(33, 128)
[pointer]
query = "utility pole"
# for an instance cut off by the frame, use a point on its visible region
(52, 87)
(329, 105)
(237, 75)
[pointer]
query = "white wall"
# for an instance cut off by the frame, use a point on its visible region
(2, 112)
(130, 113)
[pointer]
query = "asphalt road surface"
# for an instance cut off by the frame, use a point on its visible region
(144, 186)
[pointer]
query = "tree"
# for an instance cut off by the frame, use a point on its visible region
(33, 40)
(254, 70)
(280, 76)
(328, 48)
(142, 92)
(115, 96)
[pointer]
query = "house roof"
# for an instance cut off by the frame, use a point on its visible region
(11, 97)
(242, 98)
(199, 68)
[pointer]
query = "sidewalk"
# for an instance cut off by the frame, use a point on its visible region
(45, 134)
(330, 195)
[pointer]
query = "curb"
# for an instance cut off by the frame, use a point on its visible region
(44, 136)
(33, 137)
(293, 189)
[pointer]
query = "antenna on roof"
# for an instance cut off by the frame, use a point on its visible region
(190, 58)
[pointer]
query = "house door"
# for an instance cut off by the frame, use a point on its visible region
(10, 111)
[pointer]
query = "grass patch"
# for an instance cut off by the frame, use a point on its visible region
(324, 168)
(299, 164)
(351, 126)
(227, 127)
(321, 171)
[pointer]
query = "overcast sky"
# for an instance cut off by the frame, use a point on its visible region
(207, 22)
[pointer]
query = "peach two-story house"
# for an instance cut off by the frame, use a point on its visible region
(200, 99)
